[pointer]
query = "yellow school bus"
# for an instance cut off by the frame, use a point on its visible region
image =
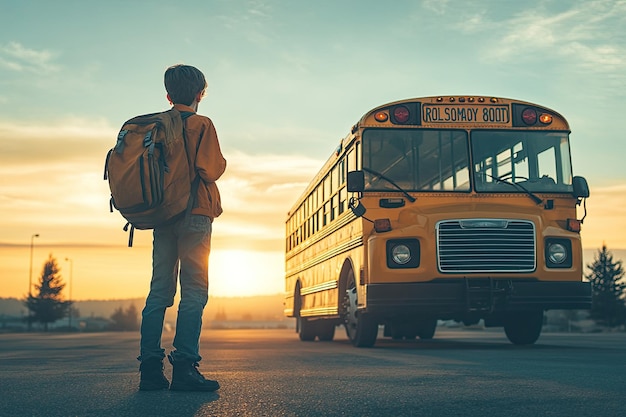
(458, 208)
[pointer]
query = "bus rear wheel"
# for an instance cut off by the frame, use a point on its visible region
(306, 329)
(523, 328)
(309, 329)
(362, 330)
(426, 329)
(325, 330)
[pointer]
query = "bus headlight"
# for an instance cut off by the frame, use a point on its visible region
(403, 253)
(558, 253)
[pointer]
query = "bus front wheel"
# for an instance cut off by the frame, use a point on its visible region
(523, 328)
(361, 329)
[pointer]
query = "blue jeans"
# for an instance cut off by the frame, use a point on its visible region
(185, 246)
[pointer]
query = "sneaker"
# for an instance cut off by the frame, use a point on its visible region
(187, 377)
(152, 377)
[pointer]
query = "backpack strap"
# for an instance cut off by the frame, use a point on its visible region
(184, 115)
(131, 233)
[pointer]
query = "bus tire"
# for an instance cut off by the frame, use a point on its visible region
(403, 330)
(366, 331)
(325, 330)
(362, 330)
(306, 329)
(523, 328)
(427, 328)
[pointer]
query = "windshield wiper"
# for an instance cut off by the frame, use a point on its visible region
(534, 197)
(390, 181)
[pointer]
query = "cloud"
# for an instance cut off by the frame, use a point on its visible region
(51, 177)
(258, 191)
(259, 8)
(579, 34)
(16, 57)
(438, 6)
(250, 23)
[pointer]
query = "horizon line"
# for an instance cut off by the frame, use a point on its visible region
(143, 297)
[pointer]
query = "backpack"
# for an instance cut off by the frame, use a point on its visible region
(148, 171)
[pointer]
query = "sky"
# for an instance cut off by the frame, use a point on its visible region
(287, 80)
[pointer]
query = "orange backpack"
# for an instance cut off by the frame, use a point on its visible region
(148, 171)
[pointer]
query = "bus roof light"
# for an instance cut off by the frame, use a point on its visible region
(382, 225)
(545, 118)
(529, 116)
(381, 116)
(401, 114)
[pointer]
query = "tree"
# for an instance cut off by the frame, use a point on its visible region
(125, 319)
(608, 306)
(48, 305)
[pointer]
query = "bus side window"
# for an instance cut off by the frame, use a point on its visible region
(326, 212)
(342, 171)
(342, 200)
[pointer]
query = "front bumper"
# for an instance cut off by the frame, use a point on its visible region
(451, 297)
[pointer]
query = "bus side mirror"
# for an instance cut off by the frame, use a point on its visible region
(581, 189)
(358, 209)
(356, 181)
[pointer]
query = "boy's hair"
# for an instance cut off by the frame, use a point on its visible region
(183, 83)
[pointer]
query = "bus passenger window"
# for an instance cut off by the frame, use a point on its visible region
(342, 171)
(326, 212)
(319, 216)
(342, 200)
(327, 188)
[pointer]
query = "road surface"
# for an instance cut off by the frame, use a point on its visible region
(272, 373)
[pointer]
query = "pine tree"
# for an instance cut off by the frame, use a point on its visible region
(125, 319)
(48, 305)
(608, 305)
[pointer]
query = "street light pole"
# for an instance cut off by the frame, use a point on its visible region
(30, 274)
(30, 277)
(70, 290)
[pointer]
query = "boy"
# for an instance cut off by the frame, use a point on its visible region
(183, 245)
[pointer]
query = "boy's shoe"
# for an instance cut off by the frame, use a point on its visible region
(186, 377)
(152, 377)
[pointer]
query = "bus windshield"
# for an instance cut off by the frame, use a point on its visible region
(439, 160)
(538, 161)
(416, 160)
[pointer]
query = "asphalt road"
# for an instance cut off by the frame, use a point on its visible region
(272, 373)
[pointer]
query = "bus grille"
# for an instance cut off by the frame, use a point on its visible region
(485, 245)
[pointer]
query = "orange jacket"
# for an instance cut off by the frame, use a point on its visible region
(205, 160)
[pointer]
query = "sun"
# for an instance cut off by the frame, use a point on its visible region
(244, 273)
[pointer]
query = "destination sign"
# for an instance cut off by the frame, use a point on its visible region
(443, 113)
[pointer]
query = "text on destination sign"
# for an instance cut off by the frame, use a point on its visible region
(464, 114)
